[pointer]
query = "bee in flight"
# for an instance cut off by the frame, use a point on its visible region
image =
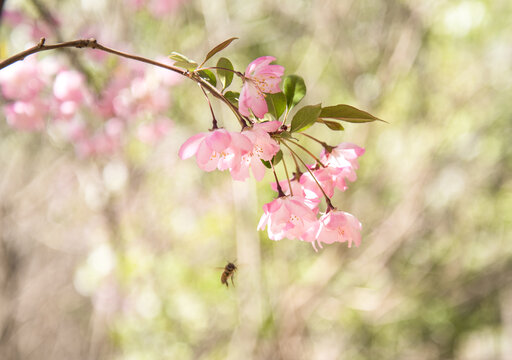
(229, 271)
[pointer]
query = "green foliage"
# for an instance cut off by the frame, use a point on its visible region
(218, 48)
(276, 104)
(294, 89)
(232, 96)
(347, 113)
(209, 76)
(333, 125)
(225, 77)
(182, 61)
(275, 160)
(305, 117)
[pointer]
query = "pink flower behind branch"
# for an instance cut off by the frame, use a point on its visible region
(152, 132)
(27, 116)
(260, 78)
(69, 85)
(21, 80)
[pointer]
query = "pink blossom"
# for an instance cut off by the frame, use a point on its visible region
(114, 128)
(344, 156)
(142, 94)
(84, 147)
(154, 131)
(310, 198)
(286, 217)
(21, 80)
(338, 226)
(264, 148)
(260, 78)
(218, 149)
(169, 78)
(106, 106)
(66, 110)
(13, 17)
(27, 116)
(160, 8)
(69, 86)
(105, 144)
(42, 29)
(74, 130)
(324, 178)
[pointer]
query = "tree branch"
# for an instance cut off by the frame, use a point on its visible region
(93, 44)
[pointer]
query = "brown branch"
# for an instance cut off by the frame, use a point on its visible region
(93, 44)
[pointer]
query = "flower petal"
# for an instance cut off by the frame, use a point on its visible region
(189, 147)
(218, 140)
(258, 63)
(258, 169)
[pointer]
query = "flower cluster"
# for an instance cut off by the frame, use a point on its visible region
(233, 151)
(94, 122)
(71, 108)
(295, 213)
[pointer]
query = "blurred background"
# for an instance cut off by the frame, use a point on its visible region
(109, 247)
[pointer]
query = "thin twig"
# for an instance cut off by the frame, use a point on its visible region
(279, 188)
(327, 199)
(326, 147)
(297, 167)
(306, 150)
(214, 120)
(287, 176)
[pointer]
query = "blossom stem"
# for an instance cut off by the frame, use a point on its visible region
(327, 199)
(329, 205)
(279, 188)
(287, 176)
(214, 120)
(297, 167)
(328, 148)
(93, 44)
(306, 150)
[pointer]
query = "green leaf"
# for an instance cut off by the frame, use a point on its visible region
(305, 117)
(275, 160)
(294, 88)
(191, 66)
(179, 57)
(218, 48)
(225, 77)
(208, 76)
(276, 104)
(266, 163)
(182, 61)
(333, 125)
(347, 113)
(232, 96)
(285, 135)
